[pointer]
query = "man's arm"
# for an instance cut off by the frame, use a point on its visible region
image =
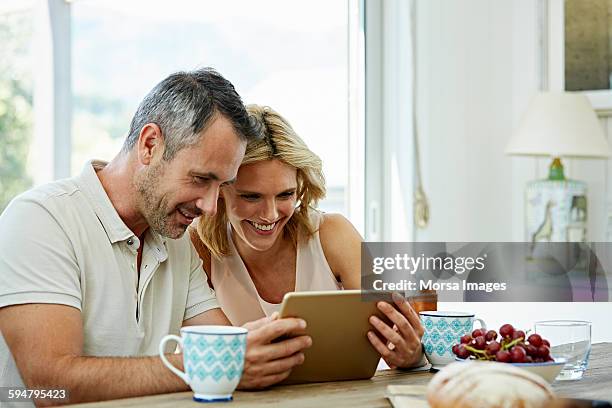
(47, 343)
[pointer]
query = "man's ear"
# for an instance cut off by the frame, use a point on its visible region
(150, 145)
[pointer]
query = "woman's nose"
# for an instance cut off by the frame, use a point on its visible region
(270, 212)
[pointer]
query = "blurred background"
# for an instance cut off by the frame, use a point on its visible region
(410, 103)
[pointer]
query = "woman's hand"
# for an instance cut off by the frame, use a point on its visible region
(400, 345)
(268, 360)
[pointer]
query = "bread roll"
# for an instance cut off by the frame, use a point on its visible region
(487, 384)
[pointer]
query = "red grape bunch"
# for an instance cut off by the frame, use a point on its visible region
(510, 346)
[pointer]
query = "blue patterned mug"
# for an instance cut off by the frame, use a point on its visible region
(213, 357)
(442, 331)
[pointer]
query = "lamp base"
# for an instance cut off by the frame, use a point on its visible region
(555, 171)
(556, 211)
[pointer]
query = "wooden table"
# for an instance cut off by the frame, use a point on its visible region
(597, 384)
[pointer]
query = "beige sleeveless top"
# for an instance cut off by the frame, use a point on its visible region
(236, 292)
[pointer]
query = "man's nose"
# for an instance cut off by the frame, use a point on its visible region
(208, 202)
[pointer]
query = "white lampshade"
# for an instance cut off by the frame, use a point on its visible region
(559, 124)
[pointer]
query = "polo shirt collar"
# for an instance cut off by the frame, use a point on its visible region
(115, 228)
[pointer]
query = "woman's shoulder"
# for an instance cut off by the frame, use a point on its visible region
(336, 233)
(341, 244)
(331, 223)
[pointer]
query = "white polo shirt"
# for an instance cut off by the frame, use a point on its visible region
(64, 243)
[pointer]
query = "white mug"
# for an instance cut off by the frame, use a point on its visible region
(213, 358)
(442, 331)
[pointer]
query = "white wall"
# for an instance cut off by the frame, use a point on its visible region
(478, 66)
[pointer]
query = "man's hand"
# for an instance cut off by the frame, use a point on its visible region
(267, 362)
(401, 346)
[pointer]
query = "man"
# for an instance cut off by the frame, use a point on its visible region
(94, 270)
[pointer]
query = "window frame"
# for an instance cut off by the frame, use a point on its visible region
(389, 128)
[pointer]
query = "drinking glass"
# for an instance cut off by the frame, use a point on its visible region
(570, 339)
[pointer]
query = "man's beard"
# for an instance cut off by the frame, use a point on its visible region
(153, 206)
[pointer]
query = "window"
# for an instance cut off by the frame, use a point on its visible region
(292, 56)
(16, 118)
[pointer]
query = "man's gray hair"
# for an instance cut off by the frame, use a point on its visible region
(184, 104)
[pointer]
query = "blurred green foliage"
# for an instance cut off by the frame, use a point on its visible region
(15, 104)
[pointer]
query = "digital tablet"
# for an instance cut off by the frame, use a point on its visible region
(338, 323)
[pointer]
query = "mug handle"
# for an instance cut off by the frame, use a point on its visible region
(164, 360)
(482, 323)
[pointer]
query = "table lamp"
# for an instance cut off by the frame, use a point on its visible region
(558, 125)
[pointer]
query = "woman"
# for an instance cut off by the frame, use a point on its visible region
(268, 239)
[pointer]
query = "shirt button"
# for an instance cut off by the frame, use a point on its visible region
(130, 241)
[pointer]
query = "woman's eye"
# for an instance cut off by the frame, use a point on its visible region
(249, 197)
(286, 195)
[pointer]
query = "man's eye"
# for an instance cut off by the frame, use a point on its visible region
(200, 180)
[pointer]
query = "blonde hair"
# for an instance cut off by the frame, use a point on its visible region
(277, 141)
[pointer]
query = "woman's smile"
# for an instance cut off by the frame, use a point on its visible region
(263, 228)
